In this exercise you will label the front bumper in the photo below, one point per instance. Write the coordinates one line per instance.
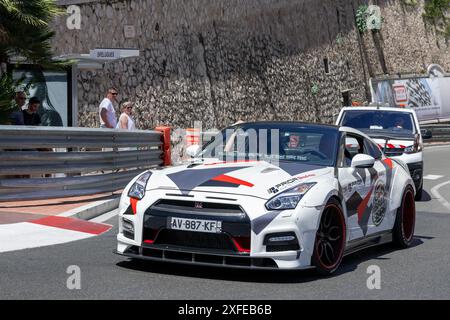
(214, 251)
(185, 256)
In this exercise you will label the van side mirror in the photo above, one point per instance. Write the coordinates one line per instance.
(426, 133)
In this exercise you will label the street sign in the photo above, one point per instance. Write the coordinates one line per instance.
(400, 94)
(106, 54)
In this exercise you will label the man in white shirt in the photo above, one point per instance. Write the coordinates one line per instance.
(106, 110)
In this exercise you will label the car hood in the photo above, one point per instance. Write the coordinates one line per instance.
(252, 178)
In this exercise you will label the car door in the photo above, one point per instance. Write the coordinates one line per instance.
(363, 189)
(381, 175)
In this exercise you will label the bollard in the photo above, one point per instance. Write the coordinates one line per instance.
(165, 138)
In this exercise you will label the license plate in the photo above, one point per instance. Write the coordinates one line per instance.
(196, 225)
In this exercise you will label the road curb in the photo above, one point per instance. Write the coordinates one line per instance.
(93, 210)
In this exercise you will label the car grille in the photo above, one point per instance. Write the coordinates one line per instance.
(193, 207)
(235, 226)
(194, 239)
(392, 152)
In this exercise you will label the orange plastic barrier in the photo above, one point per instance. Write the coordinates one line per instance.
(165, 138)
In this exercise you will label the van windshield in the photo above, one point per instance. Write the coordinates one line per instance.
(374, 122)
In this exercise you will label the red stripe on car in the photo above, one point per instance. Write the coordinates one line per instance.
(225, 178)
(133, 202)
(388, 161)
(242, 244)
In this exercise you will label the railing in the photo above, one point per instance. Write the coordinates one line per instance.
(51, 162)
(440, 132)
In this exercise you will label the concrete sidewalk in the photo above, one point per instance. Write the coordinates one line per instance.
(84, 207)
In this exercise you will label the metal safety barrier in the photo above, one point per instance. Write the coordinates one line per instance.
(52, 162)
(440, 132)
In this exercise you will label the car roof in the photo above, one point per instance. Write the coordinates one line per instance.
(396, 109)
(315, 124)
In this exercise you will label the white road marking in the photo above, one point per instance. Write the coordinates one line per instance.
(106, 216)
(432, 177)
(441, 199)
(25, 235)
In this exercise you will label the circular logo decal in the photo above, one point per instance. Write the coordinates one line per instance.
(379, 203)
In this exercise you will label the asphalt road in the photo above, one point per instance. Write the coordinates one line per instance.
(419, 272)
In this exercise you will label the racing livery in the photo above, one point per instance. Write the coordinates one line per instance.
(280, 195)
(396, 131)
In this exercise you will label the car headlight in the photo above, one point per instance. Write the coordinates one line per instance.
(137, 190)
(290, 198)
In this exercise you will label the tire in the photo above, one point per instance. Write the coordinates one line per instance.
(405, 219)
(418, 195)
(330, 239)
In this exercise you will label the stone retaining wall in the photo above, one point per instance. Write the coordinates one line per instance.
(224, 60)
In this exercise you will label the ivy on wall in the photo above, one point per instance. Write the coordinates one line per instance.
(361, 18)
(437, 14)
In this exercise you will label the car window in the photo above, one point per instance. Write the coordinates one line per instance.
(309, 144)
(372, 149)
(353, 146)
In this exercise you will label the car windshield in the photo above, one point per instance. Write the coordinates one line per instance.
(294, 142)
(381, 122)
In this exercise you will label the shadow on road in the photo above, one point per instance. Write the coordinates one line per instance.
(425, 196)
(349, 264)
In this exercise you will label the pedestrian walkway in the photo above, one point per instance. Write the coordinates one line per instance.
(53, 206)
(37, 223)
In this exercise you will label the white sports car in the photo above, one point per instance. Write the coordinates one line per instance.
(271, 195)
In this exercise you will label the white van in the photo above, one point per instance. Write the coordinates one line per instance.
(395, 130)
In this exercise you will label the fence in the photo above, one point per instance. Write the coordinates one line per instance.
(50, 162)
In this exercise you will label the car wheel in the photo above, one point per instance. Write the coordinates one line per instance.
(405, 220)
(330, 239)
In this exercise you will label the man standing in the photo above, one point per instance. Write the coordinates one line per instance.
(16, 116)
(106, 110)
(30, 115)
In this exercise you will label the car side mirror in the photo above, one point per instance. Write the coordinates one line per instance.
(363, 161)
(426, 134)
(193, 150)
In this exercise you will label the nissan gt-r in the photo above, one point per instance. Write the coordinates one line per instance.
(270, 195)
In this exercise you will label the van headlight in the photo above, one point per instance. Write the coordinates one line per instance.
(137, 190)
(290, 198)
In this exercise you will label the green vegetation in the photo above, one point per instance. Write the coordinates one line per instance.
(437, 14)
(24, 32)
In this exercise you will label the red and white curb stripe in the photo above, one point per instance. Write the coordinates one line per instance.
(47, 231)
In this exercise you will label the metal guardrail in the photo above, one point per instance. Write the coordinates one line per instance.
(52, 162)
(440, 132)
